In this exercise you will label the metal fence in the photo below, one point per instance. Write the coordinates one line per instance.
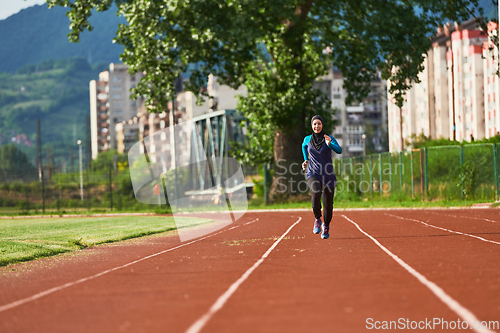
(101, 191)
(435, 173)
(468, 172)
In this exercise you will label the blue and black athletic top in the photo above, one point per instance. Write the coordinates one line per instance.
(320, 161)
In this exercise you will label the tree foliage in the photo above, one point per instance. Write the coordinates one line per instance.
(277, 48)
(422, 141)
(14, 163)
(107, 160)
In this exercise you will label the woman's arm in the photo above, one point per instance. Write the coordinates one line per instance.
(304, 148)
(334, 145)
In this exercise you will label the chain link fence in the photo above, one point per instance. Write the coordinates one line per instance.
(103, 191)
(469, 172)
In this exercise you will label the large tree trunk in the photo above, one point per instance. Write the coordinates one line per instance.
(288, 180)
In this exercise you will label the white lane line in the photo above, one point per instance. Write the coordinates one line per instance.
(456, 307)
(69, 284)
(198, 325)
(452, 231)
(468, 217)
(250, 222)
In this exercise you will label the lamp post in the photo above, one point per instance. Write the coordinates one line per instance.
(79, 142)
(364, 143)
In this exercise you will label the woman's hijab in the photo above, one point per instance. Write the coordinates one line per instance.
(317, 139)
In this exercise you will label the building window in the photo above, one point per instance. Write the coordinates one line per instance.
(116, 87)
(117, 78)
(117, 96)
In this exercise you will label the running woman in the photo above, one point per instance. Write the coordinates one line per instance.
(320, 174)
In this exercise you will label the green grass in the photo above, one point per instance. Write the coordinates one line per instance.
(371, 203)
(28, 239)
(42, 103)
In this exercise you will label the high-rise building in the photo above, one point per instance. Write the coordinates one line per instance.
(449, 100)
(185, 108)
(99, 114)
(465, 59)
(438, 85)
(127, 134)
(491, 85)
(352, 121)
(110, 104)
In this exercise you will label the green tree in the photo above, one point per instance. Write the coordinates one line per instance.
(14, 163)
(369, 145)
(107, 159)
(277, 48)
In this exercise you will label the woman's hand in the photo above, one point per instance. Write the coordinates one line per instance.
(304, 165)
(327, 139)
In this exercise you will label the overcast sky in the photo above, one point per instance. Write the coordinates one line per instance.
(11, 7)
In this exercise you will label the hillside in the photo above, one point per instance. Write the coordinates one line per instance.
(57, 92)
(38, 33)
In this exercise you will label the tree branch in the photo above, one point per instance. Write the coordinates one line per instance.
(301, 12)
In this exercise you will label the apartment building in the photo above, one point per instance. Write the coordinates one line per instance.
(110, 104)
(466, 73)
(117, 121)
(127, 134)
(352, 119)
(491, 85)
(449, 100)
(415, 112)
(99, 114)
(185, 108)
(437, 69)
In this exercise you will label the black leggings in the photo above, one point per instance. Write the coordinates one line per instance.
(317, 190)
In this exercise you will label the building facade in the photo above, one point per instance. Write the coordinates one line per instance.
(465, 71)
(449, 101)
(491, 85)
(185, 108)
(118, 122)
(110, 104)
(127, 134)
(352, 121)
(99, 114)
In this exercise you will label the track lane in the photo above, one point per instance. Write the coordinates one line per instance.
(164, 292)
(446, 229)
(486, 214)
(463, 266)
(465, 220)
(465, 314)
(334, 285)
(222, 300)
(305, 285)
(97, 260)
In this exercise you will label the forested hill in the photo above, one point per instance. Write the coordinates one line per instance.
(38, 33)
(55, 91)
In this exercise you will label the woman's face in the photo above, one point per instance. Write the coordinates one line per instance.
(317, 126)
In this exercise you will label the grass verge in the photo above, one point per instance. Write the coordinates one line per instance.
(258, 203)
(28, 239)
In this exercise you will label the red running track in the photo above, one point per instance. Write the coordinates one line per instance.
(387, 265)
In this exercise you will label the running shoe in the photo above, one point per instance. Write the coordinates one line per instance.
(317, 226)
(326, 232)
